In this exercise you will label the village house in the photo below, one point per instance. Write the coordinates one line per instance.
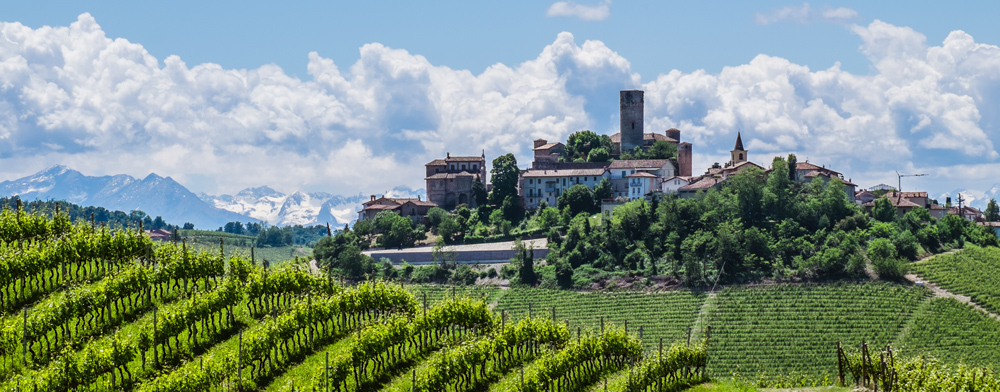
(627, 176)
(408, 207)
(537, 185)
(449, 181)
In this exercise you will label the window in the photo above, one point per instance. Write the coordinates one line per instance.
(564, 183)
(475, 167)
(453, 166)
(463, 166)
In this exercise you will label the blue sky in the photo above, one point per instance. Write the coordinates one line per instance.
(186, 89)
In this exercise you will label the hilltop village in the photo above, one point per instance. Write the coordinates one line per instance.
(635, 163)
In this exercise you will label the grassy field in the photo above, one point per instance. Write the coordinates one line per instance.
(971, 272)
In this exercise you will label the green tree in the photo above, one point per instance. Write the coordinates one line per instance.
(435, 215)
(449, 229)
(992, 211)
(580, 144)
(602, 191)
(524, 263)
(504, 174)
(599, 154)
(663, 149)
(748, 186)
(792, 163)
(579, 198)
(479, 195)
(883, 211)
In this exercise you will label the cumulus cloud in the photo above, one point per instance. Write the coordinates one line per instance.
(806, 14)
(71, 95)
(585, 12)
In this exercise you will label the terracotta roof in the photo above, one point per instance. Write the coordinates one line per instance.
(441, 176)
(547, 146)
(563, 173)
(968, 210)
(937, 207)
(464, 159)
(655, 137)
(703, 183)
(898, 202)
(684, 178)
(437, 162)
(804, 166)
(908, 195)
(642, 174)
(639, 163)
(419, 202)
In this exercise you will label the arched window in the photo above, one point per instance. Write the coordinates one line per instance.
(741, 156)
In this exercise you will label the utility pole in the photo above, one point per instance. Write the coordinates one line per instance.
(899, 179)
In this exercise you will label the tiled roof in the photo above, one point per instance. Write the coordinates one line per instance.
(642, 174)
(908, 195)
(437, 162)
(683, 178)
(464, 159)
(617, 138)
(562, 173)
(639, 163)
(703, 183)
(547, 146)
(898, 202)
(442, 176)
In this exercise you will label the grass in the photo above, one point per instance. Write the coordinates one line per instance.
(971, 272)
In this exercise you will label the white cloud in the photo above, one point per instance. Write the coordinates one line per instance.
(70, 95)
(806, 14)
(585, 12)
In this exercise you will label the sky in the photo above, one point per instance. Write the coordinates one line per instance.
(356, 97)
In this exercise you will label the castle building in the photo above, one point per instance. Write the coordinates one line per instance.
(631, 132)
(449, 181)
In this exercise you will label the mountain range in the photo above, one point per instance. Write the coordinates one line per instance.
(162, 196)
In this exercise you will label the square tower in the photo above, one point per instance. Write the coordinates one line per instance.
(631, 119)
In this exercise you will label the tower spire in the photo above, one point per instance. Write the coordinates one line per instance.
(739, 142)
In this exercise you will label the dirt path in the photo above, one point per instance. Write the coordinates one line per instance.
(941, 292)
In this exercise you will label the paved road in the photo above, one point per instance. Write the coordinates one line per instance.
(494, 252)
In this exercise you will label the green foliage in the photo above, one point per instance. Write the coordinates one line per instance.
(504, 174)
(885, 259)
(953, 332)
(587, 146)
(793, 330)
(970, 272)
(992, 212)
(479, 194)
(579, 198)
(883, 211)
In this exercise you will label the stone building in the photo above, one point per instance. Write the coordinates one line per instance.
(449, 181)
(631, 132)
(408, 207)
(536, 185)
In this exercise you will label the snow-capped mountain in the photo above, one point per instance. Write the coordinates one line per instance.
(162, 196)
(974, 198)
(154, 195)
(298, 208)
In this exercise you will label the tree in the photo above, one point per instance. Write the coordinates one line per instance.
(580, 144)
(602, 191)
(748, 185)
(599, 154)
(579, 198)
(792, 163)
(449, 228)
(188, 226)
(663, 149)
(479, 195)
(435, 215)
(504, 174)
(883, 211)
(524, 262)
(992, 211)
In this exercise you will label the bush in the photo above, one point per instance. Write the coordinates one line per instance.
(906, 244)
(884, 259)
(464, 275)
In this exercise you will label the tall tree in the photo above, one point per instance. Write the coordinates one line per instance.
(579, 144)
(479, 194)
(883, 211)
(992, 211)
(792, 162)
(504, 174)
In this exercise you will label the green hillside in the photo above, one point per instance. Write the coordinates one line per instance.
(86, 308)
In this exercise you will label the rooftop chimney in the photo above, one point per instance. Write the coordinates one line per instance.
(540, 142)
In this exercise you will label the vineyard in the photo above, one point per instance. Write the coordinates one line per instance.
(972, 272)
(84, 307)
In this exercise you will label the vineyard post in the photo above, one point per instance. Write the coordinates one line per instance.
(24, 332)
(452, 292)
(579, 331)
(17, 211)
(114, 349)
(689, 336)
(529, 309)
(425, 306)
(864, 362)
(640, 332)
(553, 315)
(522, 377)
(253, 260)
(93, 223)
(326, 370)
(626, 326)
(156, 357)
(239, 365)
(602, 325)
(840, 364)
(503, 319)
(413, 382)
(661, 347)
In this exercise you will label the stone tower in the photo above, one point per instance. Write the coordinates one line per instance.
(631, 119)
(739, 154)
(684, 159)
